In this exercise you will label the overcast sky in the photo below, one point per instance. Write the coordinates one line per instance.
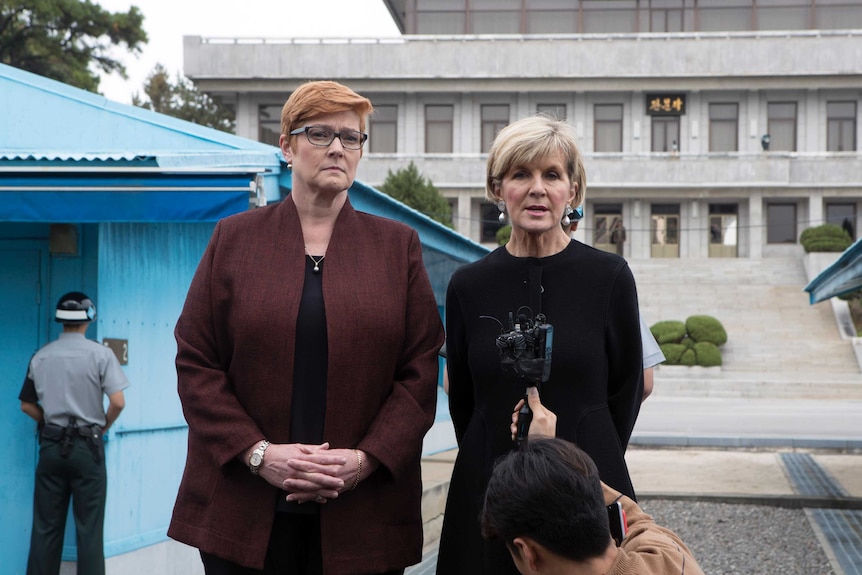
(167, 21)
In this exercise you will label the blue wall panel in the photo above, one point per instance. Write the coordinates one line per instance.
(145, 271)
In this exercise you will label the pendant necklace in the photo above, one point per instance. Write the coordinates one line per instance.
(316, 263)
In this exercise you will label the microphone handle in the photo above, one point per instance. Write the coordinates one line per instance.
(525, 417)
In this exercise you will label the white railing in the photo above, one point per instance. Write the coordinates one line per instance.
(461, 38)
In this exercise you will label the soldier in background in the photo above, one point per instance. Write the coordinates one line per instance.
(63, 392)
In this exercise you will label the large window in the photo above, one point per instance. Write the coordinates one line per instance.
(840, 14)
(783, 14)
(490, 222)
(781, 126)
(608, 127)
(722, 15)
(269, 124)
(551, 16)
(723, 230)
(664, 231)
(841, 126)
(723, 127)
(781, 223)
(441, 16)
(495, 117)
(556, 111)
(665, 133)
(438, 129)
(625, 16)
(609, 16)
(383, 130)
(843, 215)
(667, 15)
(495, 16)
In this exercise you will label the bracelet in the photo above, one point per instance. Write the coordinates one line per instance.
(358, 469)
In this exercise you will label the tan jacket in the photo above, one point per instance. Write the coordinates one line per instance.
(649, 549)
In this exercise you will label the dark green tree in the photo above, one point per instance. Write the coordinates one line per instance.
(181, 99)
(68, 40)
(410, 187)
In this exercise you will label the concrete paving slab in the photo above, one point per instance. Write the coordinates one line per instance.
(845, 468)
(690, 471)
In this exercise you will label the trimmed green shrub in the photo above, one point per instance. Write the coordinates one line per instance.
(708, 354)
(668, 332)
(672, 352)
(825, 238)
(694, 342)
(503, 235)
(688, 357)
(705, 328)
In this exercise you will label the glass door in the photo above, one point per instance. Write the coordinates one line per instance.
(722, 236)
(664, 234)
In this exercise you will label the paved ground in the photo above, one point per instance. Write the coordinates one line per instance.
(827, 483)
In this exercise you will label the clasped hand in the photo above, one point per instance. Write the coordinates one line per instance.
(310, 472)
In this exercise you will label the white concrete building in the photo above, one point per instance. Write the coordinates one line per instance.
(672, 100)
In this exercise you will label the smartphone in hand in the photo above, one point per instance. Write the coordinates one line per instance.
(617, 522)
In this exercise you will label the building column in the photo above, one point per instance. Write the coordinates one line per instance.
(246, 117)
(414, 124)
(639, 123)
(462, 216)
(815, 211)
(756, 225)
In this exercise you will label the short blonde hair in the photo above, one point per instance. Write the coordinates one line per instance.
(322, 97)
(522, 142)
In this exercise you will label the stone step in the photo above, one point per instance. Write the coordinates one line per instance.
(680, 381)
(760, 303)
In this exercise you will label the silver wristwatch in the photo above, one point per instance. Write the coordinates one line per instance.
(256, 458)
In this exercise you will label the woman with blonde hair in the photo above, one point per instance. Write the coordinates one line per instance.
(535, 174)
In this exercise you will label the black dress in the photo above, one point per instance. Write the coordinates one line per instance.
(595, 385)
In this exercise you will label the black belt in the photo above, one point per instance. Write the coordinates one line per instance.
(65, 436)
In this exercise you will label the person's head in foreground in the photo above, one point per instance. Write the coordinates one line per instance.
(545, 501)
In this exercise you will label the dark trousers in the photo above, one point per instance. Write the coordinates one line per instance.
(80, 476)
(294, 549)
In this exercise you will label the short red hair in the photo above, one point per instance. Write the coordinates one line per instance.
(322, 97)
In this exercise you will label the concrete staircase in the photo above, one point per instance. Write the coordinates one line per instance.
(777, 342)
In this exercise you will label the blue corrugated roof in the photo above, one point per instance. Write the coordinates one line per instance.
(843, 276)
(47, 125)
(80, 120)
(69, 156)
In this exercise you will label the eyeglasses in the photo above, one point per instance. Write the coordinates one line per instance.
(324, 136)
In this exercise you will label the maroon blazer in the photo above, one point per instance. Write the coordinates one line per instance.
(235, 354)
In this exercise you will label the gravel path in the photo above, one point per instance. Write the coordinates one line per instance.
(730, 539)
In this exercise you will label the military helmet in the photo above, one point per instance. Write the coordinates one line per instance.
(75, 307)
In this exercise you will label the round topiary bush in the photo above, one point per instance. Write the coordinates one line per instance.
(825, 238)
(706, 328)
(708, 354)
(672, 352)
(668, 332)
(688, 357)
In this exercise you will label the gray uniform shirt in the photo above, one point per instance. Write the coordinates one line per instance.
(69, 377)
(652, 352)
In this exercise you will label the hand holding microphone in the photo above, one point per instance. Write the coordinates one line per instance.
(542, 422)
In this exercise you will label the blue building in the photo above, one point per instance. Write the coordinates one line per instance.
(119, 202)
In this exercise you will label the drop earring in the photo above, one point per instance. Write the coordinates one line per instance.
(501, 205)
(567, 221)
(290, 165)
